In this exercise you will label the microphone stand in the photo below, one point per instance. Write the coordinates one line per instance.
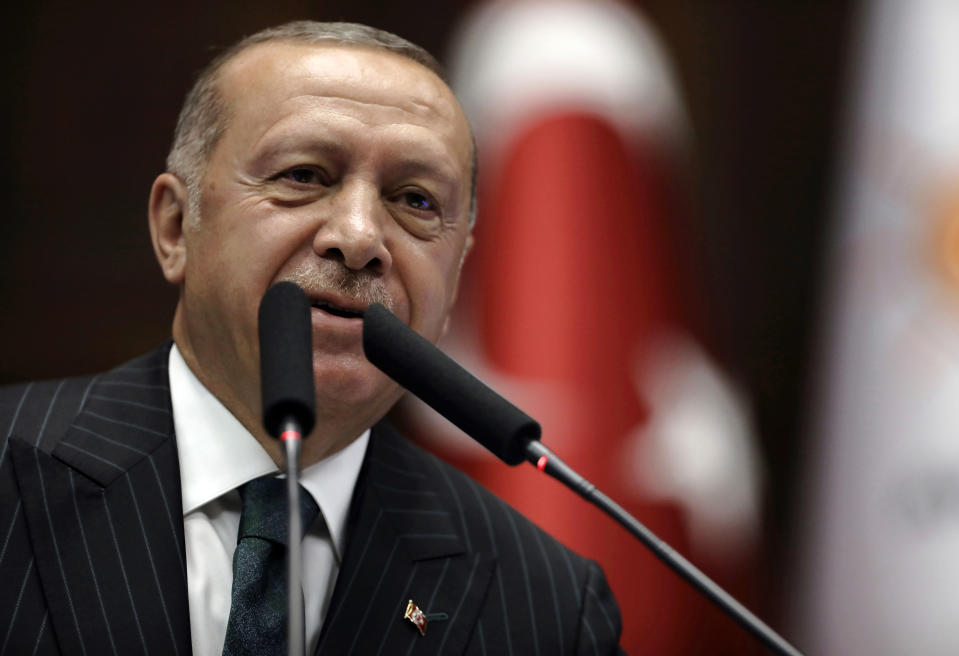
(292, 438)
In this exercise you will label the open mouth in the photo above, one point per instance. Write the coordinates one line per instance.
(337, 311)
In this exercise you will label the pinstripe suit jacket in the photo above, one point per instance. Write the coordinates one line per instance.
(92, 555)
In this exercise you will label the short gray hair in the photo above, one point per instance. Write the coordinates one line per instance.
(203, 118)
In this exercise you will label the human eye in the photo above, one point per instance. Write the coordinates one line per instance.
(304, 176)
(419, 201)
(418, 211)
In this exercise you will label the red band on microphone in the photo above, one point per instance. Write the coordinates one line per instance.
(541, 463)
(290, 435)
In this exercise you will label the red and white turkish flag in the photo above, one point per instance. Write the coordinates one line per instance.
(570, 307)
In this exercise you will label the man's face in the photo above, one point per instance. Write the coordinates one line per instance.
(346, 170)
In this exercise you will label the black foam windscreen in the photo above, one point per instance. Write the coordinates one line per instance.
(416, 364)
(286, 358)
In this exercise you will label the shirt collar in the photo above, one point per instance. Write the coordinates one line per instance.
(331, 482)
(217, 454)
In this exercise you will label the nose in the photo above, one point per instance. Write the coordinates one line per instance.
(353, 232)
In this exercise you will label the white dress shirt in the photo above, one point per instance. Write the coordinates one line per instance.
(217, 455)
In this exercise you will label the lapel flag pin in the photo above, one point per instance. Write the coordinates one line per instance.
(416, 616)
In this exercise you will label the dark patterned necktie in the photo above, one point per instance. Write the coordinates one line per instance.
(258, 608)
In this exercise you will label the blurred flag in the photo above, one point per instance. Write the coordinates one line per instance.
(879, 572)
(570, 303)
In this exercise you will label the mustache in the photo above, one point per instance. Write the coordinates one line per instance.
(326, 275)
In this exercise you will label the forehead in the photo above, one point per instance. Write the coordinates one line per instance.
(276, 77)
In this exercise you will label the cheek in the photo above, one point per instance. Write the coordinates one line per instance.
(431, 281)
(249, 248)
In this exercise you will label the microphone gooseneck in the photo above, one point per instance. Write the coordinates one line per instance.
(420, 367)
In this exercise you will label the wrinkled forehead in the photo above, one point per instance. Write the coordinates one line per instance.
(267, 74)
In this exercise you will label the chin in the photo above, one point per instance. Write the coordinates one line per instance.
(356, 386)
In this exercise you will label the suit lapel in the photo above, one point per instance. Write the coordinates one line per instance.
(107, 524)
(403, 545)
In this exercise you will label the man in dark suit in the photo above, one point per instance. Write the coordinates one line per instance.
(334, 156)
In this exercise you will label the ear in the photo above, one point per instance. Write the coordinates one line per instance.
(169, 204)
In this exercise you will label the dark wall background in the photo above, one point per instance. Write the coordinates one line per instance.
(91, 96)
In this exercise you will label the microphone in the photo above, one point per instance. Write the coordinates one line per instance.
(416, 364)
(289, 413)
(419, 366)
(286, 359)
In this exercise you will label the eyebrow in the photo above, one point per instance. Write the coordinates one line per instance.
(294, 145)
(428, 167)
